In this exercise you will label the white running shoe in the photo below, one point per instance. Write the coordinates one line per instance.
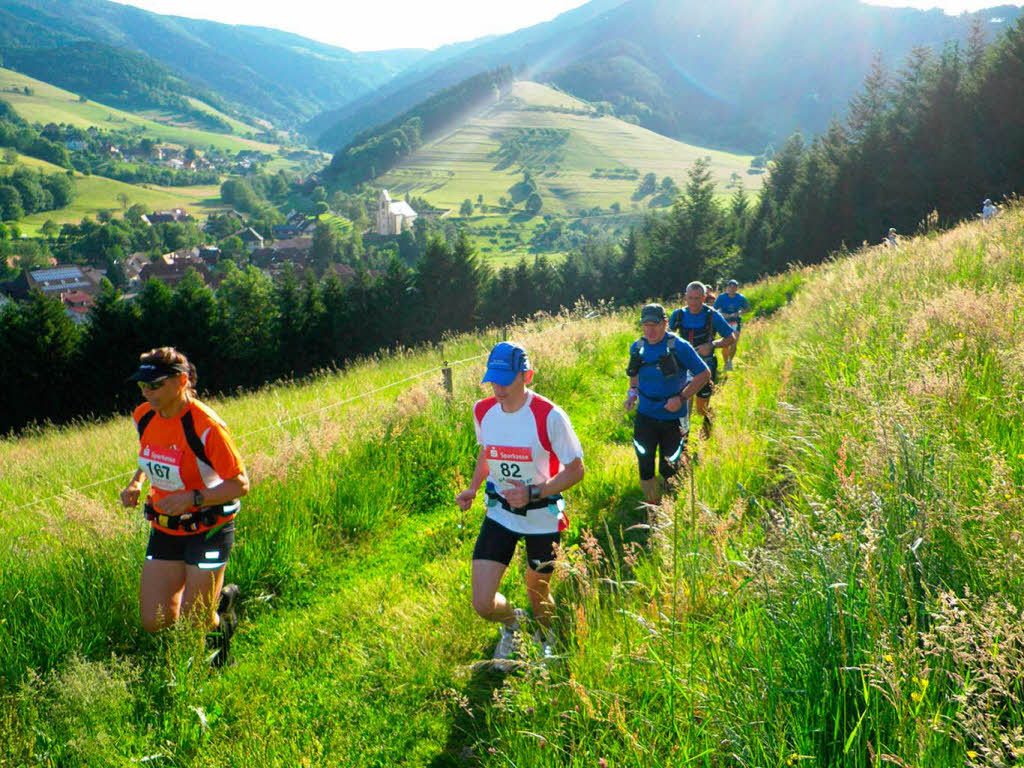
(545, 639)
(728, 365)
(508, 643)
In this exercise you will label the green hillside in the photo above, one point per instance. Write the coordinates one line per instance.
(46, 103)
(142, 58)
(840, 581)
(576, 175)
(96, 193)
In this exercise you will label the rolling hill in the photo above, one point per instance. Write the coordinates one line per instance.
(40, 103)
(734, 74)
(260, 72)
(579, 159)
(46, 103)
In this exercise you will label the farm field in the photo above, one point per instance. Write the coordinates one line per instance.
(599, 163)
(836, 576)
(463, 164)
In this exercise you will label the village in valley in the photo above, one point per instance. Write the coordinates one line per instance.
(289, 248)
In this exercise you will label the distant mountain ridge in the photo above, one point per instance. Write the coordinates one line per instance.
(276, 75)
(738, 73)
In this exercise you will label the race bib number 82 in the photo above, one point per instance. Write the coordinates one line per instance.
(510, 463)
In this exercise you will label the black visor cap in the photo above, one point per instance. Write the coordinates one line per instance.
(153, 371)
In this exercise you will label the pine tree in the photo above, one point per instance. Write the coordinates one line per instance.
(109, 351)
(42, 386)
(246, 299)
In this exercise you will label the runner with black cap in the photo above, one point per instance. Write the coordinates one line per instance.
(528, 455)
(659, 362)
(196, 477)
(732, 304)
(698, 324)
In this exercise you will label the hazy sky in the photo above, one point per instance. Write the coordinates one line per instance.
(366, 26)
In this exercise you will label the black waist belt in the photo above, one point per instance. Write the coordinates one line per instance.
(192, 521)
(656, 399)
(539, 504)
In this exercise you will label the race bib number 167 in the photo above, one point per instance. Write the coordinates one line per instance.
(163, 466)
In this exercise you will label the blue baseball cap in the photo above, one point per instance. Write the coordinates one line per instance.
(506, 361)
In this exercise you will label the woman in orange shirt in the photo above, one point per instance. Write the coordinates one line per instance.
(196, 478)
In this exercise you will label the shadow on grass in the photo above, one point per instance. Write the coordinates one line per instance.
(470, 720)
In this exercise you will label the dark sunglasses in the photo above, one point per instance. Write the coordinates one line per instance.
(149, 386)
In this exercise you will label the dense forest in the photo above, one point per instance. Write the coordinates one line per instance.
(119, 78)
(920, 148)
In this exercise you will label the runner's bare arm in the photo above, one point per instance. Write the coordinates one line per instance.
(227, 490)
(131, 492)
(480, 472)
(725, 342)
(570, 475)
(696, 384)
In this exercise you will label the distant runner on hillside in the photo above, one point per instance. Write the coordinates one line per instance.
(659, 362)
(528, 455)
(989, 210)
(698, 323)
(196, 477)
(732, 305)
(892, 238)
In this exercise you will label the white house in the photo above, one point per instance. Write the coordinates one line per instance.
(393, 217)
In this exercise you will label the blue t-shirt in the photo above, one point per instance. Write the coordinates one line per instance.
(731, 305)
(683, 320)
(655, 388)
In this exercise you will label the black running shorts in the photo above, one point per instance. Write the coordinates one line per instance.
(498, 543)
(208, 550)
(660, 439)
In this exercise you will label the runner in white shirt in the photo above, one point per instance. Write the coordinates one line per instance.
(528, 455)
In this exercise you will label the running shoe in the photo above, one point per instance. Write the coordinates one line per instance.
(728, 365)
(545, 640)
(508, 643)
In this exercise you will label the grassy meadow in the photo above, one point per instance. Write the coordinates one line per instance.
(98, 193)
(49, 104)
(837, 582)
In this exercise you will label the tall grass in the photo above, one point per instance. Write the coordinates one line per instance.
(843, 587)
(836, 582)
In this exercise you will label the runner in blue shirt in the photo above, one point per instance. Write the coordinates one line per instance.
(732, 305)
(698, 324)
(658, 366)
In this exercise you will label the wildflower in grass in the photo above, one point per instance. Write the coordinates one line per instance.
(591, 547)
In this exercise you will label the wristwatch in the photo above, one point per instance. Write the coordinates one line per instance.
(197, 498)
(534, 493)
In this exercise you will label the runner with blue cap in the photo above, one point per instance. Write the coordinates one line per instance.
(528, 455)
(732, 304)
(659, 363)
(698, 323)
